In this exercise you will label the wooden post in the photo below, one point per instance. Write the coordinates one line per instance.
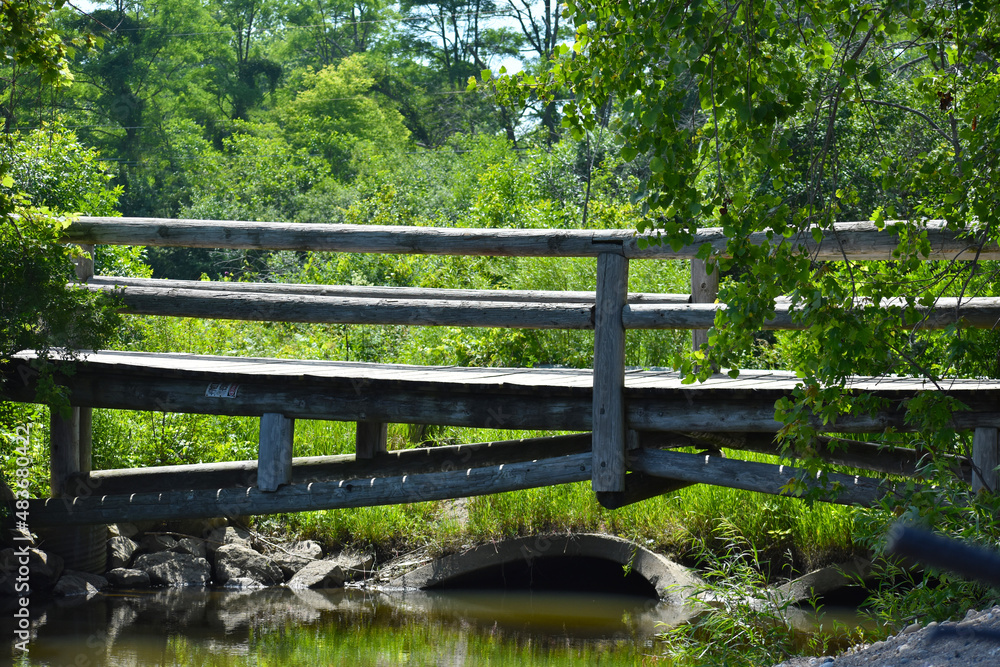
(985, 459)
(608, 465)
(370, 439)
(64, 449)
(274, 456)
(704, 289)
(84, 268)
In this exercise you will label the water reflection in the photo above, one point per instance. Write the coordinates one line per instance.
(352, 626)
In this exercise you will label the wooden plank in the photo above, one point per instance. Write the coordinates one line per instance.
(853, 240)
(64, 449)
(253, 306)
(985, 459)
(975, 312)
(345, 238)
(608, 421)
(274, 456)
(704, 289)
(370, 439)
(872, 456)
(752, 476)
(439, 458)
(376, 292)
(193, 504)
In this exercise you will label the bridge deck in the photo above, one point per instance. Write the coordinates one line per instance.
(511, 398)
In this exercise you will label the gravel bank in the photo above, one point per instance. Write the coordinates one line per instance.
(972, 642)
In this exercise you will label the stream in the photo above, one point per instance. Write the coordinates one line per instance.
(279, 626)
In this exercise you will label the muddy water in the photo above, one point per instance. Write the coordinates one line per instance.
(345, 627)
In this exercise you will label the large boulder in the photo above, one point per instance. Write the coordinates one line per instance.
(318, 574)
(166, 568)
(293, 557)
(235, 561)
(128, 578)
(155, 543)
(191, 545)
(120, 552)
(44, 570)
(227, 535)
(73, 583)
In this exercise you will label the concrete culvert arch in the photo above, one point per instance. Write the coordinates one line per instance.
(584, 562)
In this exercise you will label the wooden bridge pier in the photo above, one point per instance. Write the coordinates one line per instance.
(628, 422)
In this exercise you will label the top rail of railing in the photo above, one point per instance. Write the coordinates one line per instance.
(847, 240)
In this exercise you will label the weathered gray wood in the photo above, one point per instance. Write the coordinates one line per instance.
(977, 312)
(639, 487)
(310, 497)
(751, 475)
(985, 459)
(704, 289)
(608, 422)
(83, 265)
(306, 469)
(86, 430)
(546, 399)
(376, 292)
(838, 451)
(274, 456)
(64, 449)
(370, 439)
(855, 240)
(212, 304)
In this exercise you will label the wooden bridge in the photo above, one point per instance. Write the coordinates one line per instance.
(629, 419)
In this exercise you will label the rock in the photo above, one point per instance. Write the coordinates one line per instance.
(191, 545)
(296, 556)
(124, 529)
(166, 568)
(126, 578)
(243, 584)
(120, 551)
(233, 561)
(318, 574)
(44, 569)
(156, 543)
(227, 535)
(73, 583)
(355, 566)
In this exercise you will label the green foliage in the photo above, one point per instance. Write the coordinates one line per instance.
(741, 627)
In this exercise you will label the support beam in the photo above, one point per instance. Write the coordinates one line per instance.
(370, 439)
(195, 504)
(752, 476)
(609, 374)
(64, 449)
(274, 458)
(704, 289)
(307, 469)
(985, 459)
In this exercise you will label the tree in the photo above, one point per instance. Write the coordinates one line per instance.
(37, 308)
(781, 117)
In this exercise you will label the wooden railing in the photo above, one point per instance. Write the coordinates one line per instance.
(610, 310)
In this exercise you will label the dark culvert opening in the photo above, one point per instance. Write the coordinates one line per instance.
(578, 574)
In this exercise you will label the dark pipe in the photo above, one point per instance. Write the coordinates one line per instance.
(977, 563)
